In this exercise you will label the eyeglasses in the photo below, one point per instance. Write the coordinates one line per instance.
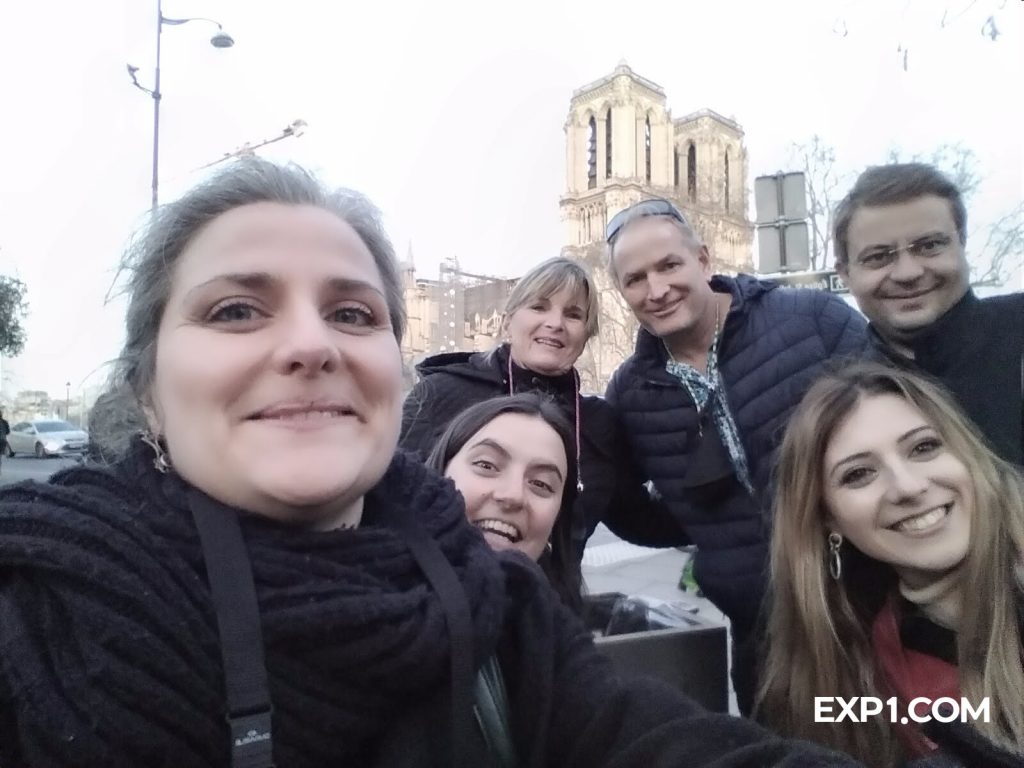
(656, 207)
(922, 248)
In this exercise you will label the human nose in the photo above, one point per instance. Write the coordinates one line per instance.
(906, 268)
(509, 492)
(906, 482)
(657, 288)
(307, 345)
(553, 319)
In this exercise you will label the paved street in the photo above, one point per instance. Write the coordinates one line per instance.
(26, 468)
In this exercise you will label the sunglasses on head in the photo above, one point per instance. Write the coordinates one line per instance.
(656, 207)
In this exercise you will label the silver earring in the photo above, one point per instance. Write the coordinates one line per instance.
(835, 560)
(160, 460)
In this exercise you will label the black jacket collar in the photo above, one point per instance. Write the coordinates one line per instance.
(493, 367)
(940, 342)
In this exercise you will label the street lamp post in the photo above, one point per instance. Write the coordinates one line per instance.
(221, 39)
(67, 401)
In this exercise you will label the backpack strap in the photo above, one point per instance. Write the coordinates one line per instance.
(491, 710)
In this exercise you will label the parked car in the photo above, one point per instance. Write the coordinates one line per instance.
(47, 437)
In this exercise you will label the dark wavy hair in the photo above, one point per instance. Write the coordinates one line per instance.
(560, 563)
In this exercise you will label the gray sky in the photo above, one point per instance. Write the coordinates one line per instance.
(448, 114)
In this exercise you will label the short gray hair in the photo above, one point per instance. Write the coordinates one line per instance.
(551, 276)
(152, 257)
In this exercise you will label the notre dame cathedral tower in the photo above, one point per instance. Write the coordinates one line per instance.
(622, 146)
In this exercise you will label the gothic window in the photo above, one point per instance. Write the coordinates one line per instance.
(608, 144)
(727, 181)
(675, 168)
(647, 147)
(592, 154)
(691, 172)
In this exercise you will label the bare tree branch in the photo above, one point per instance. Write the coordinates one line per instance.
(817, 160)
(1003, 251)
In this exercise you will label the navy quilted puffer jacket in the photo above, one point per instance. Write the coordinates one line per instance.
(775, 341)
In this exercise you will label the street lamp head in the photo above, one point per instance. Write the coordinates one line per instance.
(296, 129)
(222, 40)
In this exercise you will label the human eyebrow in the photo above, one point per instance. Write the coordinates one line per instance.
(255, 281)
(350, 285)
(487, 442)
(849, 459)
(876, 248)
(545, 467)
(912, 432)
(263, 281)
(630, 276)
(937, 234)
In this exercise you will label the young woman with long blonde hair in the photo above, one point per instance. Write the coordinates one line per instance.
(896, 571)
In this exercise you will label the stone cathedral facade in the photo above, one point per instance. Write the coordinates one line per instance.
(623, 145)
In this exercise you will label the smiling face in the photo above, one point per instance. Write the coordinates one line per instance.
(896, 492)
(906, 292)
(663, 275)
(278, 378)
(548, 334)
(511, 473)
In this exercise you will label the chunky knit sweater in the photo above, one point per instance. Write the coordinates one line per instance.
(109, 651)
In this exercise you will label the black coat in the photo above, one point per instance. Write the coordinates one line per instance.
(613, 488)
(774, 342)
(977, 351)
(109, 653)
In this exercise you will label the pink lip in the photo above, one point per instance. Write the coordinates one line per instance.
(947, 506)
(551, 341)
(292, 409)
(664, 311)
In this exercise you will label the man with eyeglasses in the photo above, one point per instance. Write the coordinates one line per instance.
(900, 237)
(719, 364)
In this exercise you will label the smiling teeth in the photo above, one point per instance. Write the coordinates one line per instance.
(501, 528)
(921, 522)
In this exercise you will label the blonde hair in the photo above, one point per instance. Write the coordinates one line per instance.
(818, 640)
(547, 279)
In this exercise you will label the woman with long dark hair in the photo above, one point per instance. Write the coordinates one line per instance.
(509, 457)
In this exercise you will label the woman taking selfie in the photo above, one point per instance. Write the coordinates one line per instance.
(509, 458)
(259, 579)
(897, 573)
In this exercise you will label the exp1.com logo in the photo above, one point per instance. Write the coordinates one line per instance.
(857, 709)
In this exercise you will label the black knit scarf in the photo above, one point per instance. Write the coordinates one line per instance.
(108, 642)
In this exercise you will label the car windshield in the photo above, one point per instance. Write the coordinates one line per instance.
(55, 426)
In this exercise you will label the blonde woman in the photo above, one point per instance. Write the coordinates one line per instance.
(896, 572)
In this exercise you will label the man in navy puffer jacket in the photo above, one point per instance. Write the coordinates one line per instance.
(719, 365)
